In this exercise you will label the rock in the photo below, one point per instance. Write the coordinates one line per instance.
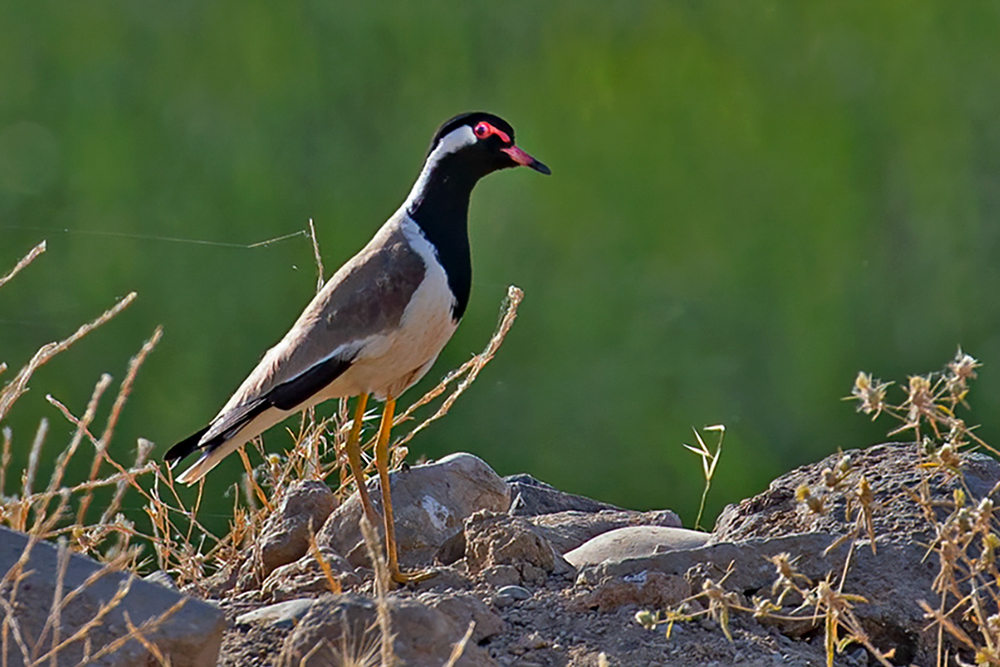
(453, 549)
(891, 580)
(531, 497)
(498, 539)
(430, 504)
(903, 569)
(285, 537)
(220, 584)
(651, 590)
(531, 641)
(281, 614)
(499, 576)
(891, 469)
(162, 578)
(502, 601)
(750, 568)
(422, 636)
(305, 577)
(190, 637)
(465, 607)
(515, 592)
(899, 572)
(634, 542)
(445, 579)
(568, 530)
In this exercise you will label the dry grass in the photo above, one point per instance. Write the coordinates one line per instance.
(967, 588)
(49, 514)
(174, 540)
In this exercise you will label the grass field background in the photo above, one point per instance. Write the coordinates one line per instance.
(749, 203)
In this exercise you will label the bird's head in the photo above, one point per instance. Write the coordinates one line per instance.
(477, 144)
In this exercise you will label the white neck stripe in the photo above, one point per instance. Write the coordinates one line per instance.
(452, 142)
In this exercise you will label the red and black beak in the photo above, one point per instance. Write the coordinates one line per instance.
(522, 158)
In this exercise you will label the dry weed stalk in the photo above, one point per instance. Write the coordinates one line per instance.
(966, 530)
(383, 583)
(819, 602)
(182, 546)
(33, 511)
(23, 262)
(708, 463)
(318, 444)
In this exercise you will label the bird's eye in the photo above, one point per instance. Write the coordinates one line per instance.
(482, 130)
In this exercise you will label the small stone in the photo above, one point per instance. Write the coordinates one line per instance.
(515, 592)
(503, 601)
(529, 642)
(651, 589)
(499, 576)
(280, 615)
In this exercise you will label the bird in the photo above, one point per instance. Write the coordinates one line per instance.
(379, 323)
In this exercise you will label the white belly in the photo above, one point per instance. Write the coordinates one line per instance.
(388, 364)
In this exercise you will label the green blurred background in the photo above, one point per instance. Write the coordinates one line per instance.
(750, 202)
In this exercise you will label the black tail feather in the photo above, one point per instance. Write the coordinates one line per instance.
(185, 447)
(285, 396)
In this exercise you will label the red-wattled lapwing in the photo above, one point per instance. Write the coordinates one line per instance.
(380, 322)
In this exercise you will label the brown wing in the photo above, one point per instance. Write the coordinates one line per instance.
(366, 297)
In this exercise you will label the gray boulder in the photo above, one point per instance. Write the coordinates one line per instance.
(430, 504)
(336, 624)
(569, 529)
(285, 536)
(189, 636)
(532, 497)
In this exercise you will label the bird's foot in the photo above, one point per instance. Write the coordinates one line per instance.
(414, 577)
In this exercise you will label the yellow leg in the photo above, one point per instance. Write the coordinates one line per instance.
(382, 463)
(354, 459)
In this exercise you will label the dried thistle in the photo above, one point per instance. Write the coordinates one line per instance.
(871, 394)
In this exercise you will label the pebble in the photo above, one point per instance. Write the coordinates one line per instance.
(280, 615)
(515, 592)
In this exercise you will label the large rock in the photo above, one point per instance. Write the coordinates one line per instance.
(904, 566)
(500, 540)
(307, 577)
(532, 497)
(634, 542)
(893, 471)
(465, 607)
(900, 571)
(189, 637)
(285, 536)
(422, 636)
(430, 503)
(569, 529)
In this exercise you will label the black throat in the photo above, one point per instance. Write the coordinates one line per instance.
(442, 212)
